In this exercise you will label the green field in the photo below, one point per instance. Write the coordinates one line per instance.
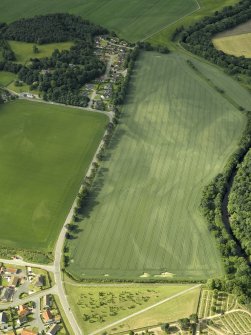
(207, 7)
(237, 45)
(176, 134)
(20, 89)
(6, 78)
(24, 51)
(99, 306)
(133, 19)
(45, 151)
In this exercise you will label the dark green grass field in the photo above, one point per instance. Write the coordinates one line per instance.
(6, 78)
(24, 51)
(176, 134)
(132, 19)
(45, 151)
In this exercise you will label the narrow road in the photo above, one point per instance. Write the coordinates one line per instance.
(58, 275)
(59, 252)
(109, 114)
(32, 297)
(20, 262)
(144, 310)
(91, 99)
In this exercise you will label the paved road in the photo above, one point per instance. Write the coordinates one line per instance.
(109, 114)
(58, 276)
(40, 294)
(59, 252)
(20, 262)
(37, 318)
(144, 310)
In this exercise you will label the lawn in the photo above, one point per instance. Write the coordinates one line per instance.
(173, 310)
(132, 20)
(24, 51)
(45, 151)
(176, 134)
(98, 306)
(237, 45)
(6, 78)
(20, 89)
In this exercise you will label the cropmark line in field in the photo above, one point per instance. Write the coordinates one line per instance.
(172, 23)
(145, 309)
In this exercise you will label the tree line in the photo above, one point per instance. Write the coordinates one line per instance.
(239, 205)
(237, 267)
(122, 88)
(198, 37)
(60, 76)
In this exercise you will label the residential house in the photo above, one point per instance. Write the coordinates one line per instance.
(7, 294)
(57, 318)
(53, 329)
(23, 310)
(46, 301)
(14, 281)
(28, 332)
(40, 281)
(11, 271)
(47, 316)
(21, 320)
(3, 320)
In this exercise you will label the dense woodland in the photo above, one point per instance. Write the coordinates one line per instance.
(239, 206)
(60, 76)
(198, 38)
(235, 260)
(50, 28)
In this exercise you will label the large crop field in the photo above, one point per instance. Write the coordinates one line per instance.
(132, 19)
(45, 151)
(24, 51)
(176, 134)
(237, 45)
